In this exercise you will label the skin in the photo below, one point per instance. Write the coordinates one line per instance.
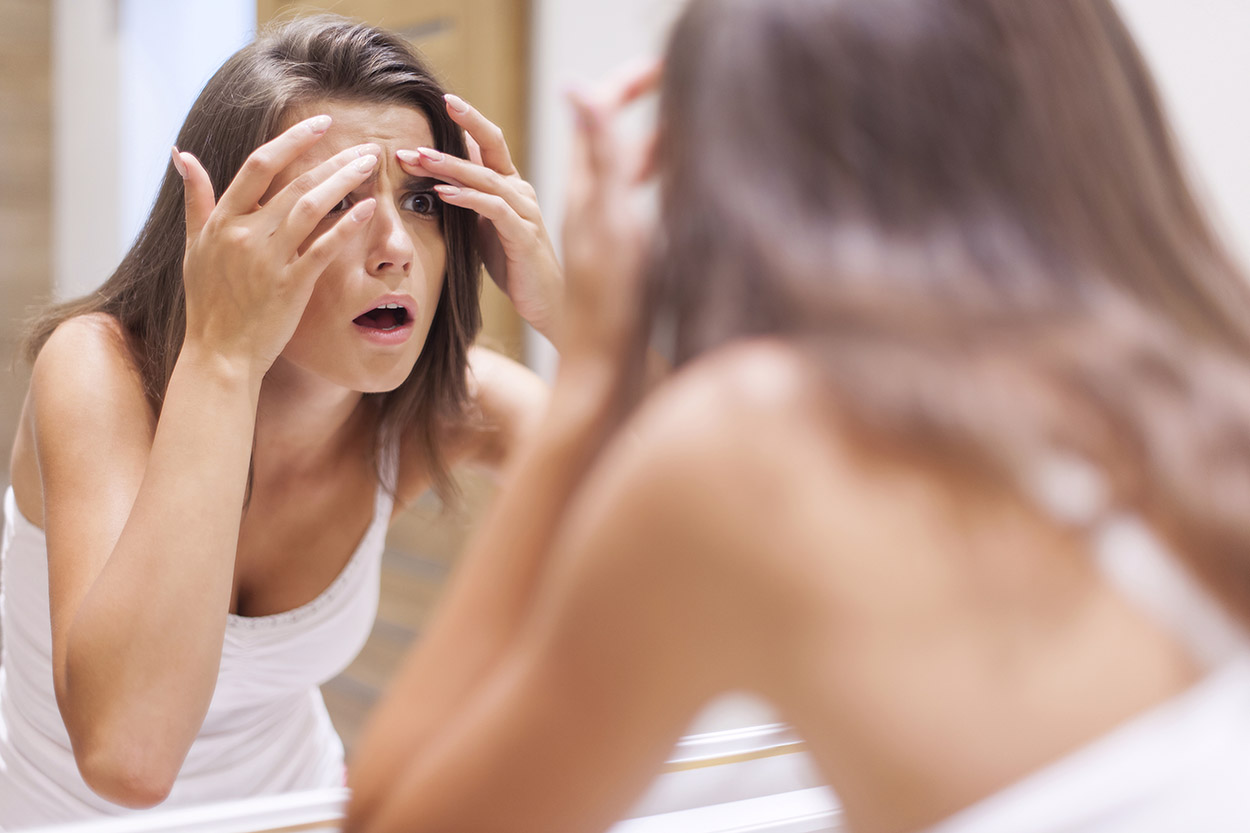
(678, 556)
(146, 562)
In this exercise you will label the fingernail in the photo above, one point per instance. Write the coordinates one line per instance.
(319, 124)
(179, 165)
(365, 163)
(456, 103)
(408, 157)
(447, 190)
(431, 154)
(363, 210)
(361, 150)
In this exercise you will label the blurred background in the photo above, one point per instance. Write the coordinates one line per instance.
(92, 93)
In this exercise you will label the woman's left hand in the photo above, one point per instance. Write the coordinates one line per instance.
(512, 238)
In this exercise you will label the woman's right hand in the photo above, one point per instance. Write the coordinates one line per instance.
(249, 269)
(606, 232)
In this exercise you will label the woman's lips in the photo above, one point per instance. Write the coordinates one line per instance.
(394, 335)
(388, 321)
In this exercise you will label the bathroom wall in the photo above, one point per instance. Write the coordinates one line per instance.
(25, 191)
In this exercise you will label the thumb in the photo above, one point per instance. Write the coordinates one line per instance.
(197, 191)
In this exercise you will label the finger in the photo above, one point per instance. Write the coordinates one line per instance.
(490, 139)
(510, 226)
(264, 163)
(197, 191)
(630, 83)
(310, 209)
(281, 203)
(581, 172)
(594, 138)
(457, 171)
(316, 257)
(648, 158)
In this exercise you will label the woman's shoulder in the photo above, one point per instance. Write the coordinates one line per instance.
(94, 341)
(691, 506)
(725, 403)
(506, 402)
(85, 386)
(88, 360)
(717, 443)
(747, 447)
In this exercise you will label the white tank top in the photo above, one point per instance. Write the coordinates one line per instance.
(266, 730)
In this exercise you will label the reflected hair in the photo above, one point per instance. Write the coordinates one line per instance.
(245, 104)
(971, 216)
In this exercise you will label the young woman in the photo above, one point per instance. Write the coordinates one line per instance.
(954, 468)
(215, 441)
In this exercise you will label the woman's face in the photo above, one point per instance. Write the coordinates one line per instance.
(370, 312)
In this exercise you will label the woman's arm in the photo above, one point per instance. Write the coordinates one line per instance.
(140, 550)
(655, 599)
(142, 515)
(493, 589)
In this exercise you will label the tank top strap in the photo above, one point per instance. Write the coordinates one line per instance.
(1137, 562)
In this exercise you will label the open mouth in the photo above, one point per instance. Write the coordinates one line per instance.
(383, 317)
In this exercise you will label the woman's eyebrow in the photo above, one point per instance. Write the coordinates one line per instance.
(419, 183)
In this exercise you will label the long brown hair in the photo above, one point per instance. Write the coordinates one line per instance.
(971, 215)
(242, 107)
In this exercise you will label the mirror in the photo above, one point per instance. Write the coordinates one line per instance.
(483, 50)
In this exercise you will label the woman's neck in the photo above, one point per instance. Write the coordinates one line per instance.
(304, 424)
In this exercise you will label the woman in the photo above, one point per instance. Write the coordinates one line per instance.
(215, 441)
(953, 468)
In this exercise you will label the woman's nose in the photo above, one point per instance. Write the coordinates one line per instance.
(392, 250)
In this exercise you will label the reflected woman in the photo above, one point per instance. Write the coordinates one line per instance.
(216, 440)
(954, 468)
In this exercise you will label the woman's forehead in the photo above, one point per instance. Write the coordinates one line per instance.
(392, 125)
(389, 125)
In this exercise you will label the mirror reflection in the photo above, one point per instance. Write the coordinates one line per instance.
(342, 357)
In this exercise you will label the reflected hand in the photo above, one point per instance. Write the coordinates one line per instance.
(607, 234)
(512, 238)
(249, 269)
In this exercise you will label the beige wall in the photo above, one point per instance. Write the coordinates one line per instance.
(25, 189)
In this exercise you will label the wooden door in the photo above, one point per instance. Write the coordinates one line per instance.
(25, 194)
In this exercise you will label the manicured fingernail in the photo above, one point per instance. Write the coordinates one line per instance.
(361, 150)
(456, 103)
(408, 157)
(447, 190)
(318, 124)
(363, 210)
(431, 154)
(179, 165)
(365, 163)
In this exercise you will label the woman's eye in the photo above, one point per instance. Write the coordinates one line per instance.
(342, 205)
(422, 202)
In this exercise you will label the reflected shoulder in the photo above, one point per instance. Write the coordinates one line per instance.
(508, 399)
(85, 365)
